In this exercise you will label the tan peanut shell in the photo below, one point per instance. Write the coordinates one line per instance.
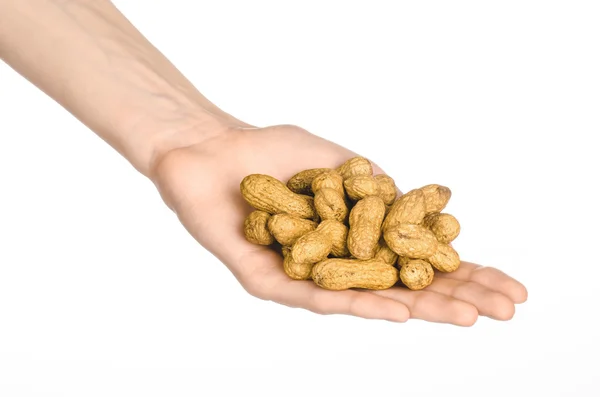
(338, 232)
(286, 229)
(360, 186)
(255, 228)
(268, 194)
(407, 209)
(445, 227)
(387, 188)
(436, 197)
(445, 259)
(416, 274)
(340, 274)
(402, 260)
(312, 247)
(330, 179)
(413, 241)
(301, 183)
(365, 227)
(385, 254)
(330, 205)
(295, 270)
(355, 166)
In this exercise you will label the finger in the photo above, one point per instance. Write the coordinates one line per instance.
(487, 302)
(491, 278)
(432, 306)
(309, 296)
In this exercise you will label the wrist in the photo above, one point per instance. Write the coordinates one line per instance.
(149, 137)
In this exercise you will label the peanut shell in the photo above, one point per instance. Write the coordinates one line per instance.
(255, 228)
(355, 166)
(407, 209)
(387, 188)
(360, 186)
(385, 254)
(341, 274)
(338, 232)
(295, 270)
(301, 183)
(445, 227)
(402, 260)
(268, 194)
(328, 179)
(436, 197)
(416, 274)
(445, 259)
(286, 228)
(330, 205)
(312, 247)
(365, 227)
(413, 241)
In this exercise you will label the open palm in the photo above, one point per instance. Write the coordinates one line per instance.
(201, 184)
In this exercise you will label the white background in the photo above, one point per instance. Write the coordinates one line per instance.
(102, 292)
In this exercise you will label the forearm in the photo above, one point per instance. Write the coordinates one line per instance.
(88, 57)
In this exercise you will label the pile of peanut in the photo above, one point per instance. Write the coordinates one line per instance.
(345, 228)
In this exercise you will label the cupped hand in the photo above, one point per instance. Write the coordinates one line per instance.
(201, 184)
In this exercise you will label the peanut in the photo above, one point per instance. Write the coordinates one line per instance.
(365, 227)
(360, 186)
(436, 197)
(340, 274)
(445, 227)
(402, 260)
(445, 259)
(312, 247)
(295, 270)
(385, 254)
(255, 228)
(287, 228)
(387, 188)
(265, 193)
(416, 274)
(347, 228)
(330, 205)
(301, 182)
(328, 179)
(407, 209)
(338, 232)
(355, 166)
(413, 241)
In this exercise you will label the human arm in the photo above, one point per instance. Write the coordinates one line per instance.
(89, 58)
(93, 62)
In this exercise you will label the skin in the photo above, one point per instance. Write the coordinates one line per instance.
(150, 113)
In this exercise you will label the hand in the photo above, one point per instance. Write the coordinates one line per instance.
(201, 184)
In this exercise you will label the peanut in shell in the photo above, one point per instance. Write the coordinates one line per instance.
(387, 188)
(328, 179)
(407, 209)
(436, 197)
(286, 228)
(416, 274)
(255, 228)
(295, 270)
(445, 259)
(301, 183)
(338, 232)
(330, 205)
(265, 193)
(365, 227)
(412, 241)
(445, 227)
(341, 274)
(355, 166)
(360, 186)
